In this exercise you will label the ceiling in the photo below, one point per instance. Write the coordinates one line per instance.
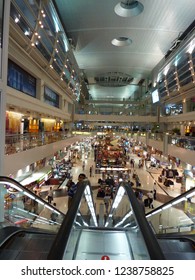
(91, 25)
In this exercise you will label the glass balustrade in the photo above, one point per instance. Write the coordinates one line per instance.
(85, 217)
(178, 215)
(122, 216)
(25, 209)
(20, 142)
(115, 233)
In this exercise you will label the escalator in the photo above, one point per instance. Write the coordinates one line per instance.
(27, 245)
(143, 237)
(123, 234)
(177, 247)
(88, 233)
(173, 223)
(93, 244)
(116, 244)
(26, 233)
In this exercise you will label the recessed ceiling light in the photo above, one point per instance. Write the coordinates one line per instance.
(129, 8)
(121, 41)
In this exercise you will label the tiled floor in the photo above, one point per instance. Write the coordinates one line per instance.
(147, 179)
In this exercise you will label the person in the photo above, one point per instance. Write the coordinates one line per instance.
(101, 192)
(35, 204)
(50, 195)
(150, 199)
(72, 190)
(91, 170)
(54, 215)
(132, 163)
(83, 165)
(107, 201)
(131, 184)
(139, 196)
(154, 190)
(137, 182)
(27, 203)
(70, 183)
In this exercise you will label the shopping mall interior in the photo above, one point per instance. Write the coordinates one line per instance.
(105, 89)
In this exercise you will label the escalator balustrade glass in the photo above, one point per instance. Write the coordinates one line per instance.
(178, 215)
(85, 218)
(25, 209)
(88, 240)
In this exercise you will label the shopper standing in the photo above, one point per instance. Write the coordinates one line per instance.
(73, 188)
(107, 201)
(50, 195)
(150, 199)
(91, 171)
(154, 190)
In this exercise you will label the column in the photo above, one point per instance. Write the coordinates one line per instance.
(40, 90)
(4, 18)
(184, 106)
(165, 144)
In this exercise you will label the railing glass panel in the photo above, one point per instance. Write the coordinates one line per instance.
(178, 215)
(121, 216)
(84, 218)
(25, 209)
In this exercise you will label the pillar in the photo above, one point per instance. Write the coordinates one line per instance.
(4, 18)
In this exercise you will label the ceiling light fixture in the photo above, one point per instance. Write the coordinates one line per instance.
(129, 8)
(121, 41)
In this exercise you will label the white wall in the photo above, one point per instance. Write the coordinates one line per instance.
(20, 160)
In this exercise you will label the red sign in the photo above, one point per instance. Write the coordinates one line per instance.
(105, 258)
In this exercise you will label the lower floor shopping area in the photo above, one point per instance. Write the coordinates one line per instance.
(113, 166)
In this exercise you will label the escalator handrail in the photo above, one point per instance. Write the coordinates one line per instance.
(9, 232)
(7, 180)
(61, 241)
(150, 239)
(189, 238)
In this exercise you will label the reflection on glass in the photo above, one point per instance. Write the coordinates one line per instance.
(85, 218)
(25, 209)
(174, 217)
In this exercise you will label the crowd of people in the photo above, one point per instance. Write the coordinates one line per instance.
(108, 186)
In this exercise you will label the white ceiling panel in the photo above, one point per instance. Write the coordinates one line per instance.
(93, 24)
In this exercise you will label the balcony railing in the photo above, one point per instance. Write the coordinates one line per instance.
(15, 143)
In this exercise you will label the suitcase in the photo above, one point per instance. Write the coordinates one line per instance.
(146, 202)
